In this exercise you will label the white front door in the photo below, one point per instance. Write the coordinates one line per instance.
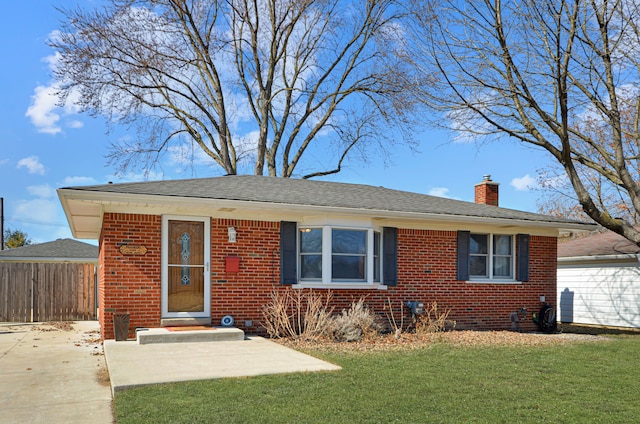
(186, 252)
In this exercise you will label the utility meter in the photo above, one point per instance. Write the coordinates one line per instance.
(416, 308)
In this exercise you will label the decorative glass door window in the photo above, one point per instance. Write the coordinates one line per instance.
(186, 259)
(186, 266)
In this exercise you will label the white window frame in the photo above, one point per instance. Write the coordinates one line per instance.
(327, 281)
(165, 271)
(490, 260)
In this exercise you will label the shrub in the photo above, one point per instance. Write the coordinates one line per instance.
(297, 314)
(355, 323)
(434, 320)
(306, 315)
(394, 326)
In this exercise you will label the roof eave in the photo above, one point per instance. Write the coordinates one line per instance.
(592, 258)
(107, 201)
(66, 196)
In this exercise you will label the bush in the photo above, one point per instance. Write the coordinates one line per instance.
(306, 315)
(297, 314)
(434, 320)
(354, 324)
(392, 324)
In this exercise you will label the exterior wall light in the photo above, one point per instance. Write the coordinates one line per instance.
(232, 234)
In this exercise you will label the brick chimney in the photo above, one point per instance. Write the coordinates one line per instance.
(486, 192)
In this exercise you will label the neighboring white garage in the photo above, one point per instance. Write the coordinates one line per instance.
(599, 281)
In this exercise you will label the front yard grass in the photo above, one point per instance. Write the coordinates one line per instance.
(439, 383)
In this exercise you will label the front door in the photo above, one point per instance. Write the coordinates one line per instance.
(186, 291)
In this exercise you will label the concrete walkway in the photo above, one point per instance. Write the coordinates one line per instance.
(58, 373)
(53, 374)
(131, 364)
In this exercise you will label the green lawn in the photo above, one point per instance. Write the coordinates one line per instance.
(581, 382)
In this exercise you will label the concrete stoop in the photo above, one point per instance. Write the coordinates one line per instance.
(164, 335)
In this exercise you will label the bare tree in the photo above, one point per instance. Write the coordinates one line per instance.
(239, 79)
(559, 75)
(557, 197)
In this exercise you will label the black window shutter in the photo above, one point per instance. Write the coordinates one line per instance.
(390, 256)
(523, 257)
(288, 252)
(463, 255)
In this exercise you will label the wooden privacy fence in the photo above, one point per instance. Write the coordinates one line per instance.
(38, 292)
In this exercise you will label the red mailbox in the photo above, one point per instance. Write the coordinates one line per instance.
(232, 264)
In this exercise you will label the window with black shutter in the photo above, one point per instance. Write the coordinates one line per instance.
(492, 257)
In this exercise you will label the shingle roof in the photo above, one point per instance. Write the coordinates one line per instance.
(599, 244)
(288, 191)
(58, 249)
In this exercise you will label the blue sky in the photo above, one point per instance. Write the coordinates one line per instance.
(44, 147)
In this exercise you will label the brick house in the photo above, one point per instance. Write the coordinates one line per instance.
(194, 251)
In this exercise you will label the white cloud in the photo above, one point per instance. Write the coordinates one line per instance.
(33, 165)
(37, 210)
(4, 161)
(55, 35)
(42, 110)
(440, 192)
(45, 110)
(44, 191)
(75, 124)
(72, 104)
(41, 216)
(76, 181)
(247, 143)
(524, 183)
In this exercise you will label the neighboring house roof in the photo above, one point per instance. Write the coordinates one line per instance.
(598, 246)
(85, 205)
(61, 250)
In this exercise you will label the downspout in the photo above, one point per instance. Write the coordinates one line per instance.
(32, 286)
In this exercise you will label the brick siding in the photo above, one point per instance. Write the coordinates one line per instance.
(426, 272)
(130, 283)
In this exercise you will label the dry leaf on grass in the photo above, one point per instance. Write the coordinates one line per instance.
(408, 341)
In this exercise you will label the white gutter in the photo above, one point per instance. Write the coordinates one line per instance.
(626, 257)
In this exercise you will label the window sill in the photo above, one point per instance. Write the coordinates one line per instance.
(487, 281)
(345, 286)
